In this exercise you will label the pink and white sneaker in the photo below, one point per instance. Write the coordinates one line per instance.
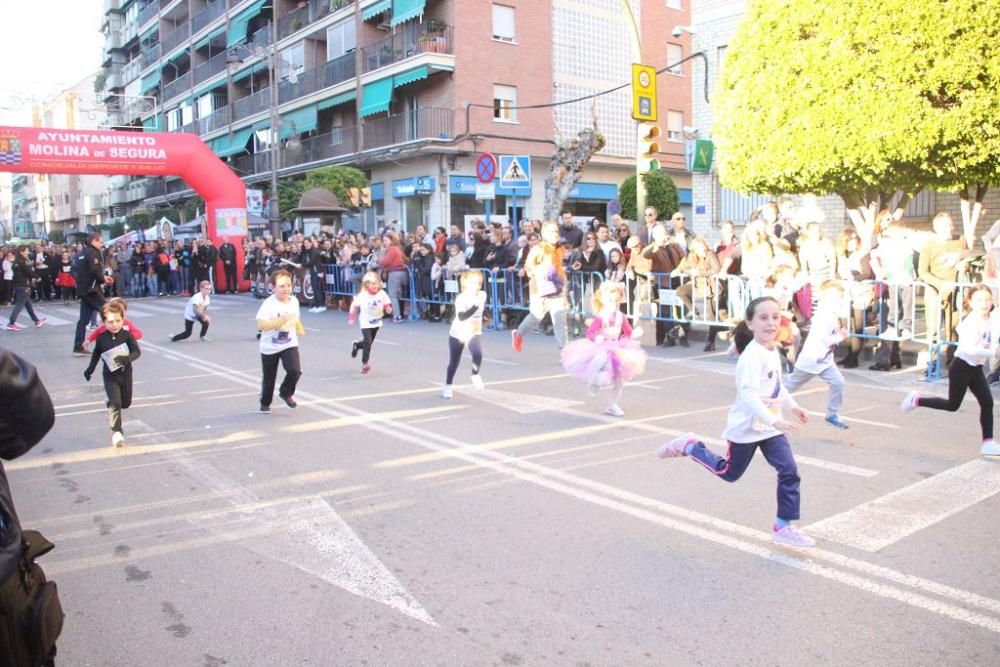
(13, 326)
(910, 402)
(366, 368)
(792, 537)
(677, 446)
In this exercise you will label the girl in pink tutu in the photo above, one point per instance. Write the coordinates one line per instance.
(610, 355)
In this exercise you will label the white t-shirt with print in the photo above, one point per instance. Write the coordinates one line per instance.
(371, 308)
(464, 330)
(194, 303)
(277, 340)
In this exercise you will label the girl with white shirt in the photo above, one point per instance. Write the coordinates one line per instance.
(466, 329)
(280, 328)
(756, 421)
(369, 306)
(977, 343)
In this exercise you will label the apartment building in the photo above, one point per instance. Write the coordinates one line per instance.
(412, 91)
(713, 23)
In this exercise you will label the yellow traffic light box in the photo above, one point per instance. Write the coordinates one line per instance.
(649, 147)
(643, 92)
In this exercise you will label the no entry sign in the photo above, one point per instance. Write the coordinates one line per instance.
(486, 168)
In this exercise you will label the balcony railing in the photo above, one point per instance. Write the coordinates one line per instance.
(326, 75)
(150, 56)
(217, 119)
(421, 123)
(176, 37)
(207, 15)
(341, 141)
(313, 11)
(410, 41)
(247, 165)
(112, 6)
(148, 12)
(207, 70)
(179, 85)
(252, 104)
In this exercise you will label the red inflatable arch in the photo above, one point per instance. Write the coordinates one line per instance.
(39, 150)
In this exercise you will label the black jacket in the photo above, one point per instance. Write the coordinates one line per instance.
(107, 341)
(90, 271)
(23, 271)
(227, 253)
(26, 415)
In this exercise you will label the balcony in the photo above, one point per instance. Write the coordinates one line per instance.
(422, 123)
(149, 57)
(429, 37)
(114, 79)
(207, 15)
(112, 6)
(176, 37)
(341, 141)
(148, 13)
(214, 121)
(252, 104)
(113, 40)
(248, 165)
(207, 70)
(313, 11)
(176, 87)
(329, 74)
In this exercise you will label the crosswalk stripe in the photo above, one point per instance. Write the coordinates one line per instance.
(52, 320)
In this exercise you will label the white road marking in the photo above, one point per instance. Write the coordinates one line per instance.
(307, 534)
(879, 523)
(52, 320)
(857, 420)
(523, 404)
(387, 342)
(690, 522)
(837, 467)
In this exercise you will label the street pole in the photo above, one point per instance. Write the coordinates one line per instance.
(273, 204)
(640, 186)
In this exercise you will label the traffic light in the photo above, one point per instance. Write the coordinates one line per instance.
(354, 196)
(649, 147)
(365, 197)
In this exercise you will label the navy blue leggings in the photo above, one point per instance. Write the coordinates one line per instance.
(455, 347)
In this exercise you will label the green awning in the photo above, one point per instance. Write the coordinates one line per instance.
(242, 74)
(338, 99)
(375, 97)
(176, 54)
(233, 145)
(410, 76)
(406, 10)
(371, 11)
(146, 35)
(207, 89)
(304, 119)
(149, 82)
(238, 26)
(208, 38)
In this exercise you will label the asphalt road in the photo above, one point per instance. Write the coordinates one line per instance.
(379, 524)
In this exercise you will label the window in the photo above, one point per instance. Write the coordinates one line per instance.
(675, 126)
(205, 107)
(675, 4)
(504, 101)
(341, 39)
(675, 53)
(503, 23)
(292, 62)
(173, 120)
(187, 114)
(720, 54)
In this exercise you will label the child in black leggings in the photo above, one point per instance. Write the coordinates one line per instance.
(118, 349)
(466, 329)
(977, 343)
(370, 305)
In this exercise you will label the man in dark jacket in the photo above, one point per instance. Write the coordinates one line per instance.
(90, 281)
(26, 415)
(210, 258)
(227, 253)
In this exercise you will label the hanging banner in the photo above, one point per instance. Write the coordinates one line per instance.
(230, 222)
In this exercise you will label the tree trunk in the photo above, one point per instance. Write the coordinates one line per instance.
(566, 168)
(971, 212)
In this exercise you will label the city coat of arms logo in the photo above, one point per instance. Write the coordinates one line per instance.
(10, 147)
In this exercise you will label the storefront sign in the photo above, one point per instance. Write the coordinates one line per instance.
(413, 187)
(485, 191)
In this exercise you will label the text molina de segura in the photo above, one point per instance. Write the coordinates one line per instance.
(119, 145)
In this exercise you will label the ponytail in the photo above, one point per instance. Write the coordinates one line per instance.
(742, 335)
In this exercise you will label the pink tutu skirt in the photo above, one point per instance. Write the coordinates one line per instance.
(601, 364)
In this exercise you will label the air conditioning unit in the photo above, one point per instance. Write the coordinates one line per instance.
(384, 26)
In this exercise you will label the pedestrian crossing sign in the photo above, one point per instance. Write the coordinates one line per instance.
(515, 171)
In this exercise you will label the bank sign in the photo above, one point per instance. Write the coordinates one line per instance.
(411, 187)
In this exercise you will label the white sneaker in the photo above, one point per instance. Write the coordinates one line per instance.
(477, 382)
(319, 309)
(909, 402)
(312, 310)
(905, 334)
(990, 448)
(791, 536)
(614, 411)
(447, 392)
(117, 439)
(676, 447)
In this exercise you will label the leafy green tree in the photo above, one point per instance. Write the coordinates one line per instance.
(660, 192)
(861, 99)
(335, 179)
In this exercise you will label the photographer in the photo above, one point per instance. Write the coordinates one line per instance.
(30, 614)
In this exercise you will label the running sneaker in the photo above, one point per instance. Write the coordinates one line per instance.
(117, 439)
(289, 401)
(41, 322)
(78, 351)
(990, 448)
(677, 446)
(366, 368)
(835, 421)
(14, 326)
(516, 340)
(791, 536)
(354, 349)
(265, 409)
(910, 402)
(319, 309)
(477, 382)
(447, 392)
(204, 339)
(614, 411)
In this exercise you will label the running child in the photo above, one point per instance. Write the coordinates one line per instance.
(196, 310)
(755, 421)
(816, 357)
(977, 343)
(118, 349)
(609, 355)
(466, 329)
(280, 328)
(372, 303)
(128, 325)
